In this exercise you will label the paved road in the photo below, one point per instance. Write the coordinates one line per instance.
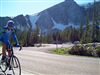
(35, 61)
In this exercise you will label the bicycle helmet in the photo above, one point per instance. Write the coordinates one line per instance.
(10, 23)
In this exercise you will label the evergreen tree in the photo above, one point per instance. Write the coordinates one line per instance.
(88, 34)
(95, 27)
(81, 33)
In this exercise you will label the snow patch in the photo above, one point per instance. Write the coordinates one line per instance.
(58, 25)
(73, 25)
(33, 19)
(62, 26)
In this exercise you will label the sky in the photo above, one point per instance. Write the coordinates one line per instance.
(16, 7)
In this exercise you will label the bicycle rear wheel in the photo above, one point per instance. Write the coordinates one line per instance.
(15, 65)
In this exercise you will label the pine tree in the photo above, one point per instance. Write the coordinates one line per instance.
(95, 27)
(88, 36)
(37, 35)
(81, 33)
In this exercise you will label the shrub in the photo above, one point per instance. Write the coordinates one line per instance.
(87, 50)
(77, 50)
(90, 51)
(98, 51)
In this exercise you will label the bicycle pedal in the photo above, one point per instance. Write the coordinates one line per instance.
(10, 68)
(15, 66)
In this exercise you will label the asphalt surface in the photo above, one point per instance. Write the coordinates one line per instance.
(38, 61)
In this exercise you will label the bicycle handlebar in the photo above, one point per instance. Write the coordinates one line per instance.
(20, 48)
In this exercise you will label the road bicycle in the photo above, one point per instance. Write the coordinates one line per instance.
(14, 64)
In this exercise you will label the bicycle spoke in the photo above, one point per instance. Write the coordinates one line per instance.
(3, 65)
(15, 64)
(13, 72)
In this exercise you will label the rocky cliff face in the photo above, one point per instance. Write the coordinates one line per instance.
(66, 12)
(60, 16)
(21, 23)
(3, 20)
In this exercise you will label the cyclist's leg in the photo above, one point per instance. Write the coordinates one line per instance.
(7, 42)
(3, 51)
(9, 50)
(8, 46)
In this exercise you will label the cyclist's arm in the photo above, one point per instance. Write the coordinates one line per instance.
(15, 37)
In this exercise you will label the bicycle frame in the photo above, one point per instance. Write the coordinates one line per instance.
(13, 60)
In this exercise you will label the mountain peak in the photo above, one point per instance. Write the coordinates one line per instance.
(69, 0)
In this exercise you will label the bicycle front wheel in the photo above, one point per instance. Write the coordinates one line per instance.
(15, 65)
(3, 64)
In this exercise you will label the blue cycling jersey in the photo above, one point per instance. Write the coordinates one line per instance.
(5, 35)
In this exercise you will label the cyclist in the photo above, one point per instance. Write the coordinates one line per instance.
(5, 34)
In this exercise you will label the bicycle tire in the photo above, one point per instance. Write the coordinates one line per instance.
(1, 65)
(15, 65)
